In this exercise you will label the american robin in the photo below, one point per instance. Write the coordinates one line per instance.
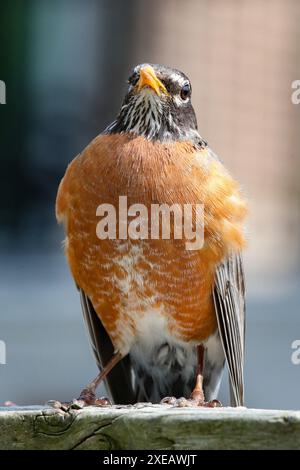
(162, 319)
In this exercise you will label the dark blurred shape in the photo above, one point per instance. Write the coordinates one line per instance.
(64, 62)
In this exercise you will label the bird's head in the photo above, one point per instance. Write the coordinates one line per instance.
(157, 105)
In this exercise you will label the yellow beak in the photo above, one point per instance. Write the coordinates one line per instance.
(148, 78)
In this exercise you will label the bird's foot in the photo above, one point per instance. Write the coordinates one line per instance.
(86, 398)
(190, 402)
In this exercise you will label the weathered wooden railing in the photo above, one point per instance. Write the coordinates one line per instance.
(148, 427)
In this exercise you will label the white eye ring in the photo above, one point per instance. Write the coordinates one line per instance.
(179, 101)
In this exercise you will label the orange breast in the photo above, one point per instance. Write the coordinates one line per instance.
(130, 281)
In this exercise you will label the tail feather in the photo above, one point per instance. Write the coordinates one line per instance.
(119, 380)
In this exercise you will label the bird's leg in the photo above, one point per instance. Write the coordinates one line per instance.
(87, 396)
(198, 393)
(197, 396)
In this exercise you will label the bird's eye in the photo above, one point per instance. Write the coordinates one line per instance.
(185, 91)
(133, 79)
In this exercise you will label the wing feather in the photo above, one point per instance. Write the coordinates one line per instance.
(229, 300)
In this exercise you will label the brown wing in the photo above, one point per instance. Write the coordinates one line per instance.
(229, 300)
(119, 380)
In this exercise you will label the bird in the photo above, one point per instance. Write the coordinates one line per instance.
(163, 320)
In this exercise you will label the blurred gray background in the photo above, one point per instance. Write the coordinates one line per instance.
(65, 64)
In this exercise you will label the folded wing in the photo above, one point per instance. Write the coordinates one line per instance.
(229, 300)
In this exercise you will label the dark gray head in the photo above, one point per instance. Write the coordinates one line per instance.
(157, 105)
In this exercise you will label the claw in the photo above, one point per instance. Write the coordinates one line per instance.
(213, 404)
(103, 401)
(87, 396)
(79, 403)
(168, 401)
(189, 402)
(184, 403)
